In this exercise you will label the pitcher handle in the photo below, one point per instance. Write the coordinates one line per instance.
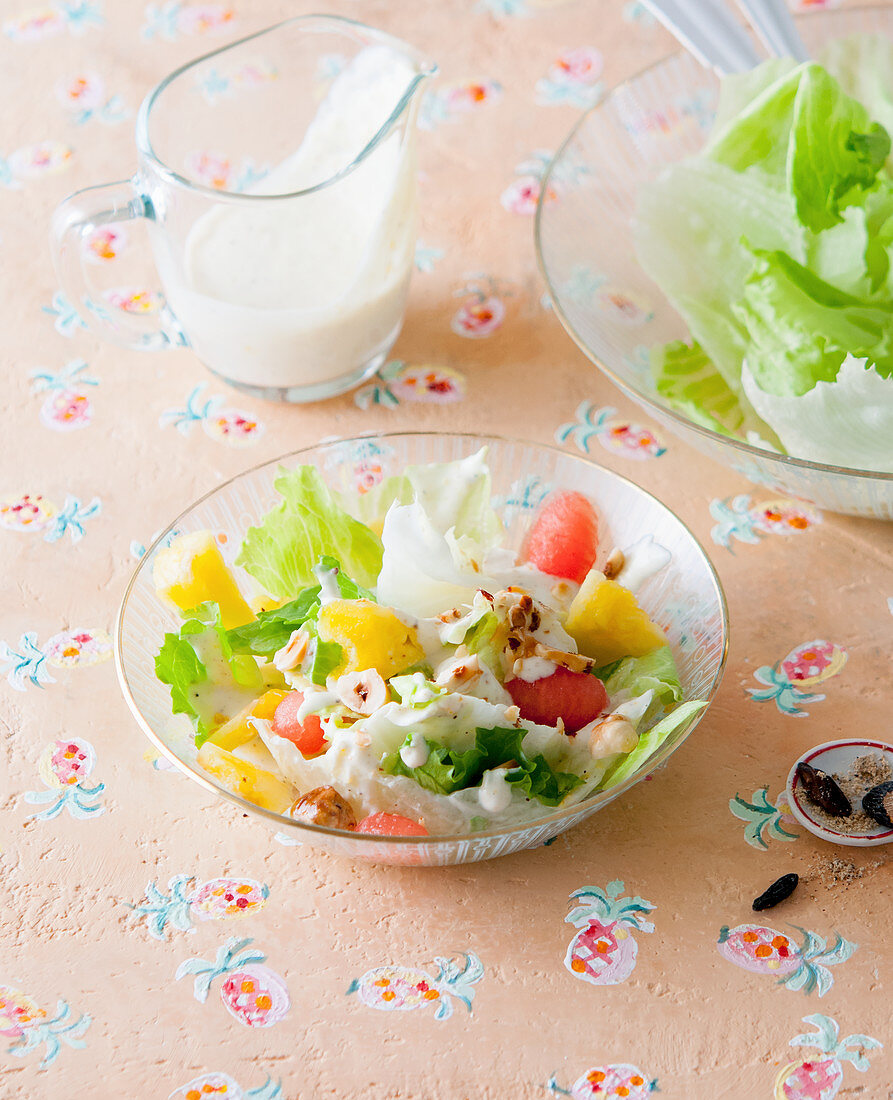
(73, 222)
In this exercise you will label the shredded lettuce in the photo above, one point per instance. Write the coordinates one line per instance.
(448, 770)
(281, 551)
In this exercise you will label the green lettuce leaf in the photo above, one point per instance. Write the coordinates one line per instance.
(687, 378)
(325, 658)
(801, 328)
(650, 741)
(309, 524)
(656, 672)
(271, 630)
(197, 662)
(178, 665)
(447, 770)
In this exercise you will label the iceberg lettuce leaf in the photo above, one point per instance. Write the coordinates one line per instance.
(281, 551)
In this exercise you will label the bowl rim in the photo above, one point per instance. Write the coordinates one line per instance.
(196, 774)
(631, 391)
(849, 840)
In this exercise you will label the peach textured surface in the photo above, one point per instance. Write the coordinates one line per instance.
(105, 865)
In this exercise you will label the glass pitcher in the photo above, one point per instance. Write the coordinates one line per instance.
(277, 177)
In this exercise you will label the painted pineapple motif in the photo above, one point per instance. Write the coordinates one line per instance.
(766, 951)
(809, 664)
(604, 1082)
(254, 994)
(64, 767)
(216, 899)
(211, 1085)
(604, 952)
(403, 988)
(26, 1023)
(820, 1077)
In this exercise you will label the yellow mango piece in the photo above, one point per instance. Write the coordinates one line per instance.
(255, 784)
(191, 571)
(606, 622)
(371, 637)
(237, 731)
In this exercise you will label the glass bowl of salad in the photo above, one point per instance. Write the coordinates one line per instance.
(422, 648)
(722, 253)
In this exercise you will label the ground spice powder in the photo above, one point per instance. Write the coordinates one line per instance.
(864, 773)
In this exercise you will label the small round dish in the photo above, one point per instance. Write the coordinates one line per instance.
(685, 598)
(832, 758)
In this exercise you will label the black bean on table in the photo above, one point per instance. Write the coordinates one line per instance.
(779, 890)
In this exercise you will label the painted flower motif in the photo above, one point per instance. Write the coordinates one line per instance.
(84, 92)
(366, 477)
(572, 78)
(45, 158)
(231, 426)
(216, 899)
(67, 407)
(217, 171)
(397, 381)
(624, 306)
(764, 950)
(478, 316)
(254, 994)
(66, 411)
(75, 16)
(739, 519)
(603, 952)
(222, 1085)
(84, 96)
(617, 436)
(450, 103)
(807, 665)
(22, 1020)
(78, 647)
(216, 85)
(814, 1077)
(765, 819)
(105, 243)
(64, 766)
(404, 988)
(604, 1082)
(500, 9)
(482, 311)
(522, 195)
(173, 18)
(130, 300)
(67, 321)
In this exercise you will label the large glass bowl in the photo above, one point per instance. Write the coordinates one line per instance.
(612, 309)
(685, 598)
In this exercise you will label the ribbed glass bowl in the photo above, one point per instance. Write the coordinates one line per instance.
(611, 308)
(685, 598)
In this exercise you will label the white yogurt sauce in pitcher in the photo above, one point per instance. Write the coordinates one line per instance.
(306, 290)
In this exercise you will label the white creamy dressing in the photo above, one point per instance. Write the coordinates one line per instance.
(416, 753)
(218, 694)
(494, 793)
(530, 669)
(328, 584)
(299, 291)
(314, 702)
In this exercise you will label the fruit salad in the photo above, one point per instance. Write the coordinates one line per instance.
(384, 663)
